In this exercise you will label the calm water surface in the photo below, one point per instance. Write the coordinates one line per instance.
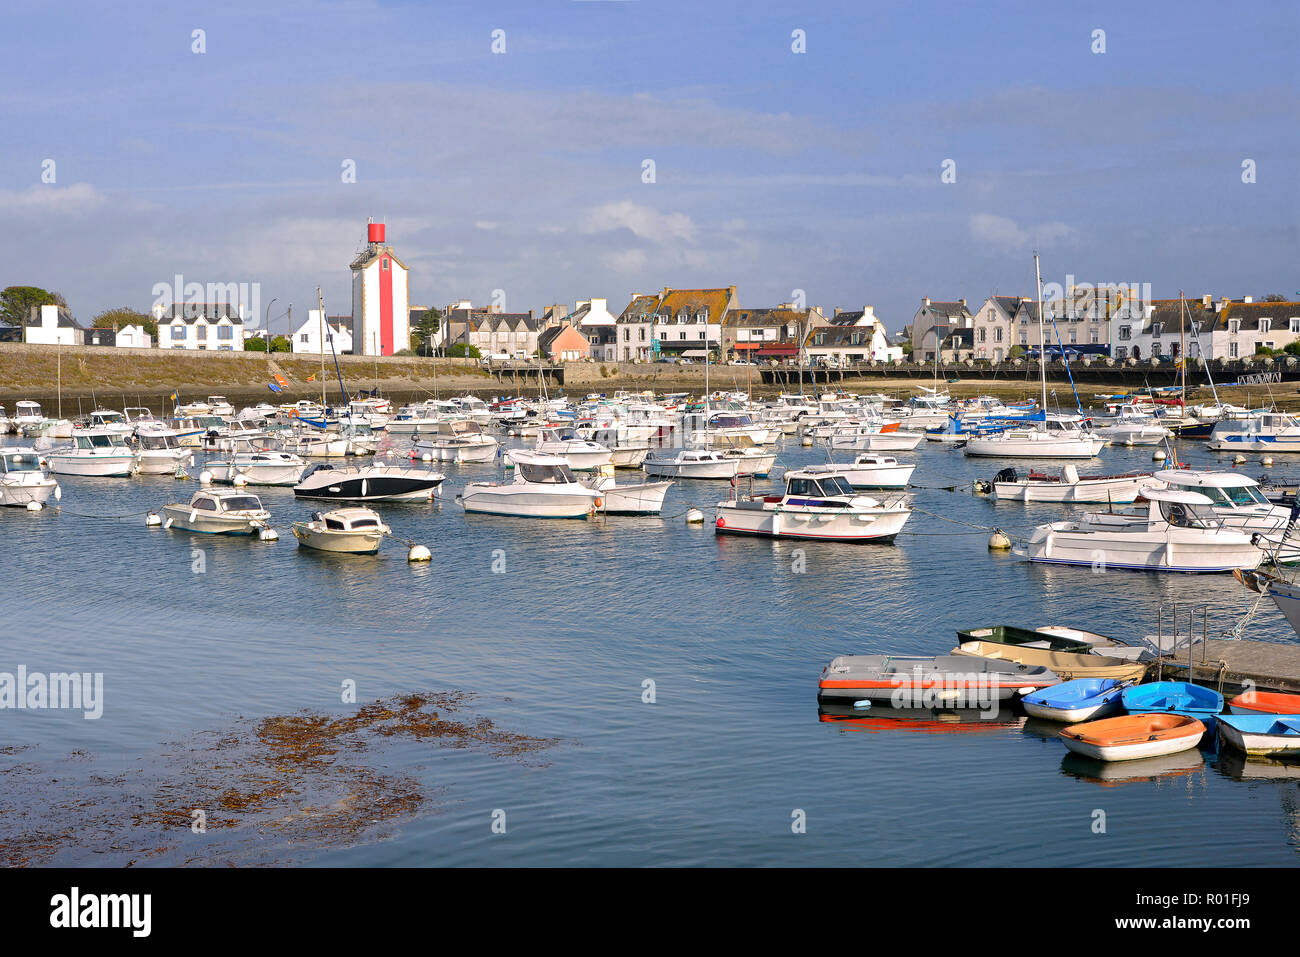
(559, 645)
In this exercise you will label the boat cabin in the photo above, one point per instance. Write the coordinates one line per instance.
(1221, 489)
(98, 441)
(348, 520)
(225, 501)
(14, 461)
(544, 474)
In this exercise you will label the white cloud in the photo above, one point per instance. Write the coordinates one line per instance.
(1004, 233)
(642, 221)
(50, 198)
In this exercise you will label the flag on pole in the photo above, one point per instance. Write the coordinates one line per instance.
(176, 397)
(312, 377)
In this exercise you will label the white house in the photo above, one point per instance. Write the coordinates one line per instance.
(874, 334)
(201, 326)
(133, 337)
(310, 336)
(592, 318)
(381, 316)
(52, 325)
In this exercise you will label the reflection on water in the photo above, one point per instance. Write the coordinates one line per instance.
(732, 632)
(1114, 773)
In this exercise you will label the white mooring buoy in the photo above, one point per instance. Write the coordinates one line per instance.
(268, 535)
(153, 520)
(1158, 455)
(205, 477)
(806, 440)
(239, 481)
(1267, 461)
(419, 553)
(426, 457)
(694, 516)
(1239, 460)
(998, 541)
(34, 506)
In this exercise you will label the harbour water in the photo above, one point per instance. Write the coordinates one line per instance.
(556, 627)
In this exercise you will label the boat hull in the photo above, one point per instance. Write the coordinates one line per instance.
(351, 543)
(185, 519)
(767, 520)
(510, 500)
(1261, 734)
(1064, 543)
(1131, 737)
(93, 466)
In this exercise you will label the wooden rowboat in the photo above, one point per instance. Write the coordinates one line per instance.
(1012, 635)
(1069, 665)
(1133, 736)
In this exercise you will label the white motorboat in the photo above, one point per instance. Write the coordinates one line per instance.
(690, 464)
(628, 456)
(720, 428)
(1177, 531)
(875, 471)
(27, 415)
(1237, 500)
(818, 503)
(369, 483)
(262, 467)
(158, 450)
(886, 438)
(640, 498)
(106, 420)
(220, 405)
(581, 455)
(23, 480)
(1054, 437)
(354, 531)
(314, 444)
(542, 487)
(1269, 432)
(1066, 486)
(93, 453)
(459, 441)
(1131, 426)
(5, 424)
(750, 461)
(218, 512)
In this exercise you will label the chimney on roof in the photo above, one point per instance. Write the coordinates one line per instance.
(1247, 298)
(962, 301)
(925, 301)
(1206, 299)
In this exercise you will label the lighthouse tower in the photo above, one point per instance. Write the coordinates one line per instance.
(381, 322)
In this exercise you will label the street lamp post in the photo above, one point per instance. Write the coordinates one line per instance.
(267, 327)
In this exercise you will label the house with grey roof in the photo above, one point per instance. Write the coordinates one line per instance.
(201, 326)
(935, 322)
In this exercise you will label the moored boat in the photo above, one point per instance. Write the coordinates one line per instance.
(1133, 736)
(23, 480)
(354, 531)
(1174, 697)
(818, 503)
(218, 512)
(1077, 700)
(369, 483)
(1265, 702)
(542, 487)
(1067, 664)
(1263, 734)
(911, 681)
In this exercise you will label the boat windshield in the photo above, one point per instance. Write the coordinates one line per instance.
(157, 442)
(99, 441)
(21, 462)
(241, 503)
(1182, 515)
(836, 485)
(1237, 495)
(546, 474)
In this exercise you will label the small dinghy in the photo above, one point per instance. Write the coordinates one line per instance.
(1174, 697)
(1133, 736)
(353, 531)
(1025, 637)
(1069, 665)
(913, 681)
(1265, 702)
(1083, 699)
(1263, 734)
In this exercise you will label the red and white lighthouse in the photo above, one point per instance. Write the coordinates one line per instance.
(381, 323)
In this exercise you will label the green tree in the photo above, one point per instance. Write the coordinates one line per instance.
(126, 316)
(426, 328)
(16, 303)
(258, 344)
(1016, 352)
(1274, 297)
(1293, 348)
(460, 351)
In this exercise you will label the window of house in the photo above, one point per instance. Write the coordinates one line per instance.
(681, 335)
(178, 330)
(225, 332)
(1232, 350)
(1125, 333)
(997, 334)
(642, 330)
(383, 264)
(304, 337)
(1234, 326)
(1155, 330)
(1265, 325)
(201, 332)
(983, 338)
(1121, 352)
(1295, 325)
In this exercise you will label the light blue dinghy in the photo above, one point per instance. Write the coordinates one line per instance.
(1083, 699)
(1261, 734)
(1174, 697)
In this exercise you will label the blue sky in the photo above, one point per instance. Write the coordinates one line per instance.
(775, 171)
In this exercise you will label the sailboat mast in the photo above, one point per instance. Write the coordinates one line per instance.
(320, 303)
(1042, 339)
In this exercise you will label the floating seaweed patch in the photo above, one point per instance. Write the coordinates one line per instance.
(255, 793)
